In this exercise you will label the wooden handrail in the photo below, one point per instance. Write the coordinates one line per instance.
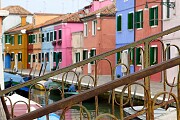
(100, 89)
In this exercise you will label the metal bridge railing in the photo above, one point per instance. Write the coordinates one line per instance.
(126, 81)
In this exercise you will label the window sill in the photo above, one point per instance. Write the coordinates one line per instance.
(139, 65)
(154, 26)
(19, 44)
(7, 43)
(139, 28)
(167, 19)
(130, 29)
(119, 31)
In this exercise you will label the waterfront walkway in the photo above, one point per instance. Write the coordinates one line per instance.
(136, 90)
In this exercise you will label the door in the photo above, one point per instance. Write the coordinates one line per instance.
(7, 61)
(16, 62)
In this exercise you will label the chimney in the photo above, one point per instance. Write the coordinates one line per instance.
(23, 20)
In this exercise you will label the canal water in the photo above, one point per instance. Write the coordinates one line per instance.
(73, 113)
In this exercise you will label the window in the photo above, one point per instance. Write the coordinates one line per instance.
(7, 39)
(138, 56)
(54, 56)
(153, 55)
(39, 57)
(47, 57)
(77, 57)
(29, 58)
(19, 56)
(51, 36)
(34, 58)
(168, 52)
(55, 33)
(12, 40)
(58, 57)
(43, 37)
(42, 57)
(33, 39)
(60, 34)
(30, 38)
(85, 54)
(94, 25)
(168, 9)
(131, 55)
(19, 39)
(92, 53)
(12, 56)
(47, 37)
(118, 56)
(139, 19)
(119, 22)
(153, 16)
(85, 29)
(130, 20)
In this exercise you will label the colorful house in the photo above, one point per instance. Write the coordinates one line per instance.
(16, 46)
(77, 48)
(13, 20)
(171, 19)
(98, 39)
(124, 32)
(148, 22)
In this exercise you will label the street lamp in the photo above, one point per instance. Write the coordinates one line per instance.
(168, 4)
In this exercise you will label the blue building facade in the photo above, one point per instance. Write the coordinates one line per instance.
(47, 46)
(124, 30)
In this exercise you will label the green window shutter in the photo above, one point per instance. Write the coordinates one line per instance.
(84, 54)
(19, 42)
(76, 57)
(138, 53)
(55, 32)
(118, 57)
(156, 16)
(119, 22)
(151, 55)
(29, 58)
(151, 16)
(54, 56)
(130, 21)
(142, 20)
(92, 53)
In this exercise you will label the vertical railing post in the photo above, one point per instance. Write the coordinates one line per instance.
(147, 81)
(178, 91)
(96, 97)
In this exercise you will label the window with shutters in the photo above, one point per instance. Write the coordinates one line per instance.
(55, 33)
(34, 58)
(85, 54)
(168, 52)
(60, 34)
(30, 38)
(85, 29)
(118, 57)
(12, 40)
(153, 16)
(29, 58)
(131, 56)
(139, 19)
(54, 56)
(42, 57)
(130, 21)
(138, 56)
(7, 39)
(92, 53)
(51, 36)
(47, 37)
(19, 39)
(39, 57)
(59, 56)
(119, 23)
(12, 56)
(43, 37)
(47, 57)
(94, 25)
(19, 56)
(77, 57)
(153, 55)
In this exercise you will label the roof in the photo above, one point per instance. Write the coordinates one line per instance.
(107, 10)
(18, 28)
(67, 18)
(17, 10)
(48, 14)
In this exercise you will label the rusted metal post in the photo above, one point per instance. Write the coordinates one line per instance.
(147, 80)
